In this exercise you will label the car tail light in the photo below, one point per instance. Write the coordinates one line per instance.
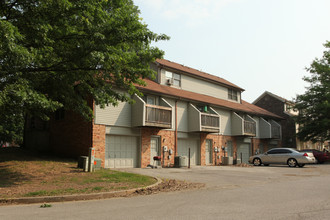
(305, 155)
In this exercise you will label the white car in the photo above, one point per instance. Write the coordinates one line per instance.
(287, 156)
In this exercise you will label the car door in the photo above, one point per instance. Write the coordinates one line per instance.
(270, 156)
(283, 156)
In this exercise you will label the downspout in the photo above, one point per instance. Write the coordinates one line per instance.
(176, 129)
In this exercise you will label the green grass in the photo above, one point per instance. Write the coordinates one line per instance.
(56, 192)
(117, 177)
(44, 175)
(123, 179)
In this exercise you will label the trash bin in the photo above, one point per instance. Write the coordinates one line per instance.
(227, 160)
(177, 161)
(238, 161)
(81, 161)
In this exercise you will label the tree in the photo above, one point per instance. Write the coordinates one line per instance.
(314, 105)
(57, 54)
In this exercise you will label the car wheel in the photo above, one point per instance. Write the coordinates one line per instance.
(292, 162)
(256, 162)
(301, 165)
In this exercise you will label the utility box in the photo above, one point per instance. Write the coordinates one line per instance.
(180, 161)
(227, 160)
(183, 161)
(97, 164)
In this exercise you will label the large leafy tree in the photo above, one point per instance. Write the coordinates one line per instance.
(58, 53)
(314, 105)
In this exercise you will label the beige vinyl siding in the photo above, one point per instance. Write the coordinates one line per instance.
(115, 116)
(203, 87)
(162, 77)
(256, 119)
(123, 131)
(182, 116)
(236, 124)
(200, 86)
(225, 121)
(265, 129)
(194, 118)
(138, 113)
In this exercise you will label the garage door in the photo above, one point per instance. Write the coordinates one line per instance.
(183, 150)
(121, 151)
(244, 151)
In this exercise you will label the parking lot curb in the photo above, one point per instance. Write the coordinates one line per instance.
(77, 197)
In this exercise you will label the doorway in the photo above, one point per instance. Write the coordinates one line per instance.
(155, 150)
(208, 152)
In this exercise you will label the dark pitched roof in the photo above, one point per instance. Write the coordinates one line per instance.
(194, 72)
(168, 91)
(273, 95)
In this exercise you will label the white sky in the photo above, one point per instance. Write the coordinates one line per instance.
(258, 45)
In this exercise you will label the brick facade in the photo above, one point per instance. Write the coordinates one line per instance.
(70, 136)
(166, 138)
(98, 140)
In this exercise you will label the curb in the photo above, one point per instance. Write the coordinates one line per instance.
(77, 197)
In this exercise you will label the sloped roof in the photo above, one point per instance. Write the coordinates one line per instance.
(168, 91)
(273, 95)
(194, 72)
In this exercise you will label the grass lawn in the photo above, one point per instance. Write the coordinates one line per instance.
(24, 174)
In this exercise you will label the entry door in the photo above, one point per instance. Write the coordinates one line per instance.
(243, 151)
(229, 149)
(208, 152)
(154, 150)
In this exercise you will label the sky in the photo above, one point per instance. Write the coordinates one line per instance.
(259, 45)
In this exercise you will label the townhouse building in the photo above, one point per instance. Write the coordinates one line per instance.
(284, 108)
(183, 112)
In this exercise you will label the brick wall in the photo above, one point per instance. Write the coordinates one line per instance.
(218, 141)
(98, 140)
(71, 135)
(166, 138)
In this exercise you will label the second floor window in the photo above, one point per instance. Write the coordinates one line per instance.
(173, 78)
(151, 100)
(232, 94)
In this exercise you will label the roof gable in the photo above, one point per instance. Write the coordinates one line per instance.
(196, 73)
(272, 95)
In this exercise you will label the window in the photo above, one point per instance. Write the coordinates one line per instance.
(174, 78)
(232, 94)
(151, 100)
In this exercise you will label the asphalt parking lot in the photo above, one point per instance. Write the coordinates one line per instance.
(230, 176)
(273, 192)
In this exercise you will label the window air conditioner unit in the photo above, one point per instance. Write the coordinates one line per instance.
(169, 81)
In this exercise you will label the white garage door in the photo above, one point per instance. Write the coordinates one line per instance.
(183, 150)
(121, 151)
(244, 151)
